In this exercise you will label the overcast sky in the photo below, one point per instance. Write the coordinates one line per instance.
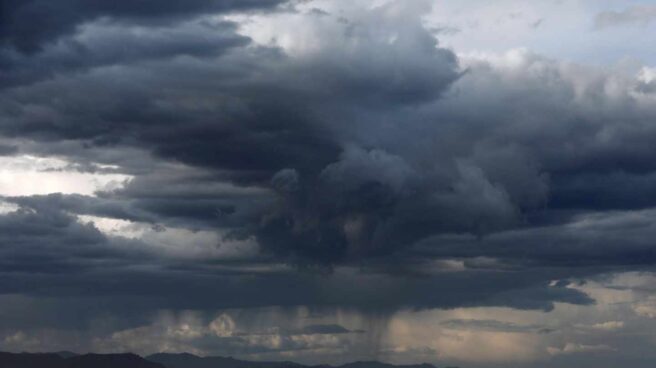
(465, 183)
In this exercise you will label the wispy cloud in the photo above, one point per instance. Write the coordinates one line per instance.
(641, 15)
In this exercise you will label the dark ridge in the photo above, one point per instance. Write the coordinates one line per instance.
(55, 360)
(375, 364)
(67, 359)
(66, 354)
(186, 360)
(111, 361)
(27, 360)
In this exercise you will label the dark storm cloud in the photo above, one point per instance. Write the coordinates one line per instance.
(265, 118)
(171, 196)
(48, 242)
(28, 25)
(62, 258)
(621, 238)
(48, 253)
(107, 44)
(605, 191)
(41, 39)
(376, 153)
(7, 150)
(84, 205)
(195, 200)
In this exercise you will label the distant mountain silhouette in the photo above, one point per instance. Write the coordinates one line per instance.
(186, 360)
(66, 354)
(71, 360)
(25, 360)
(67, 359)
(375, 364)
(110, 361)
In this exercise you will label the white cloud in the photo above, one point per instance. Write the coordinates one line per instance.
(6, 207)
(646, 308)
(572, 348)
(647, 75)
(223, 326)
(608, 326)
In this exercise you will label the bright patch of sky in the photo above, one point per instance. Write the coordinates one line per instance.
(567, 30)
(25, 175)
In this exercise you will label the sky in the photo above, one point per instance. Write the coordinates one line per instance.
(464, 183)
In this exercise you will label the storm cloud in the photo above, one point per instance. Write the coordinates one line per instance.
(347, 160)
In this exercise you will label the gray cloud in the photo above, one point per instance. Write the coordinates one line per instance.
(7, 150)
(20, 18)
(104, 44)
(492, 325)
(639, 14)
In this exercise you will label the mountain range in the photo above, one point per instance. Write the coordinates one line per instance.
(64, 360)
(67, 359)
